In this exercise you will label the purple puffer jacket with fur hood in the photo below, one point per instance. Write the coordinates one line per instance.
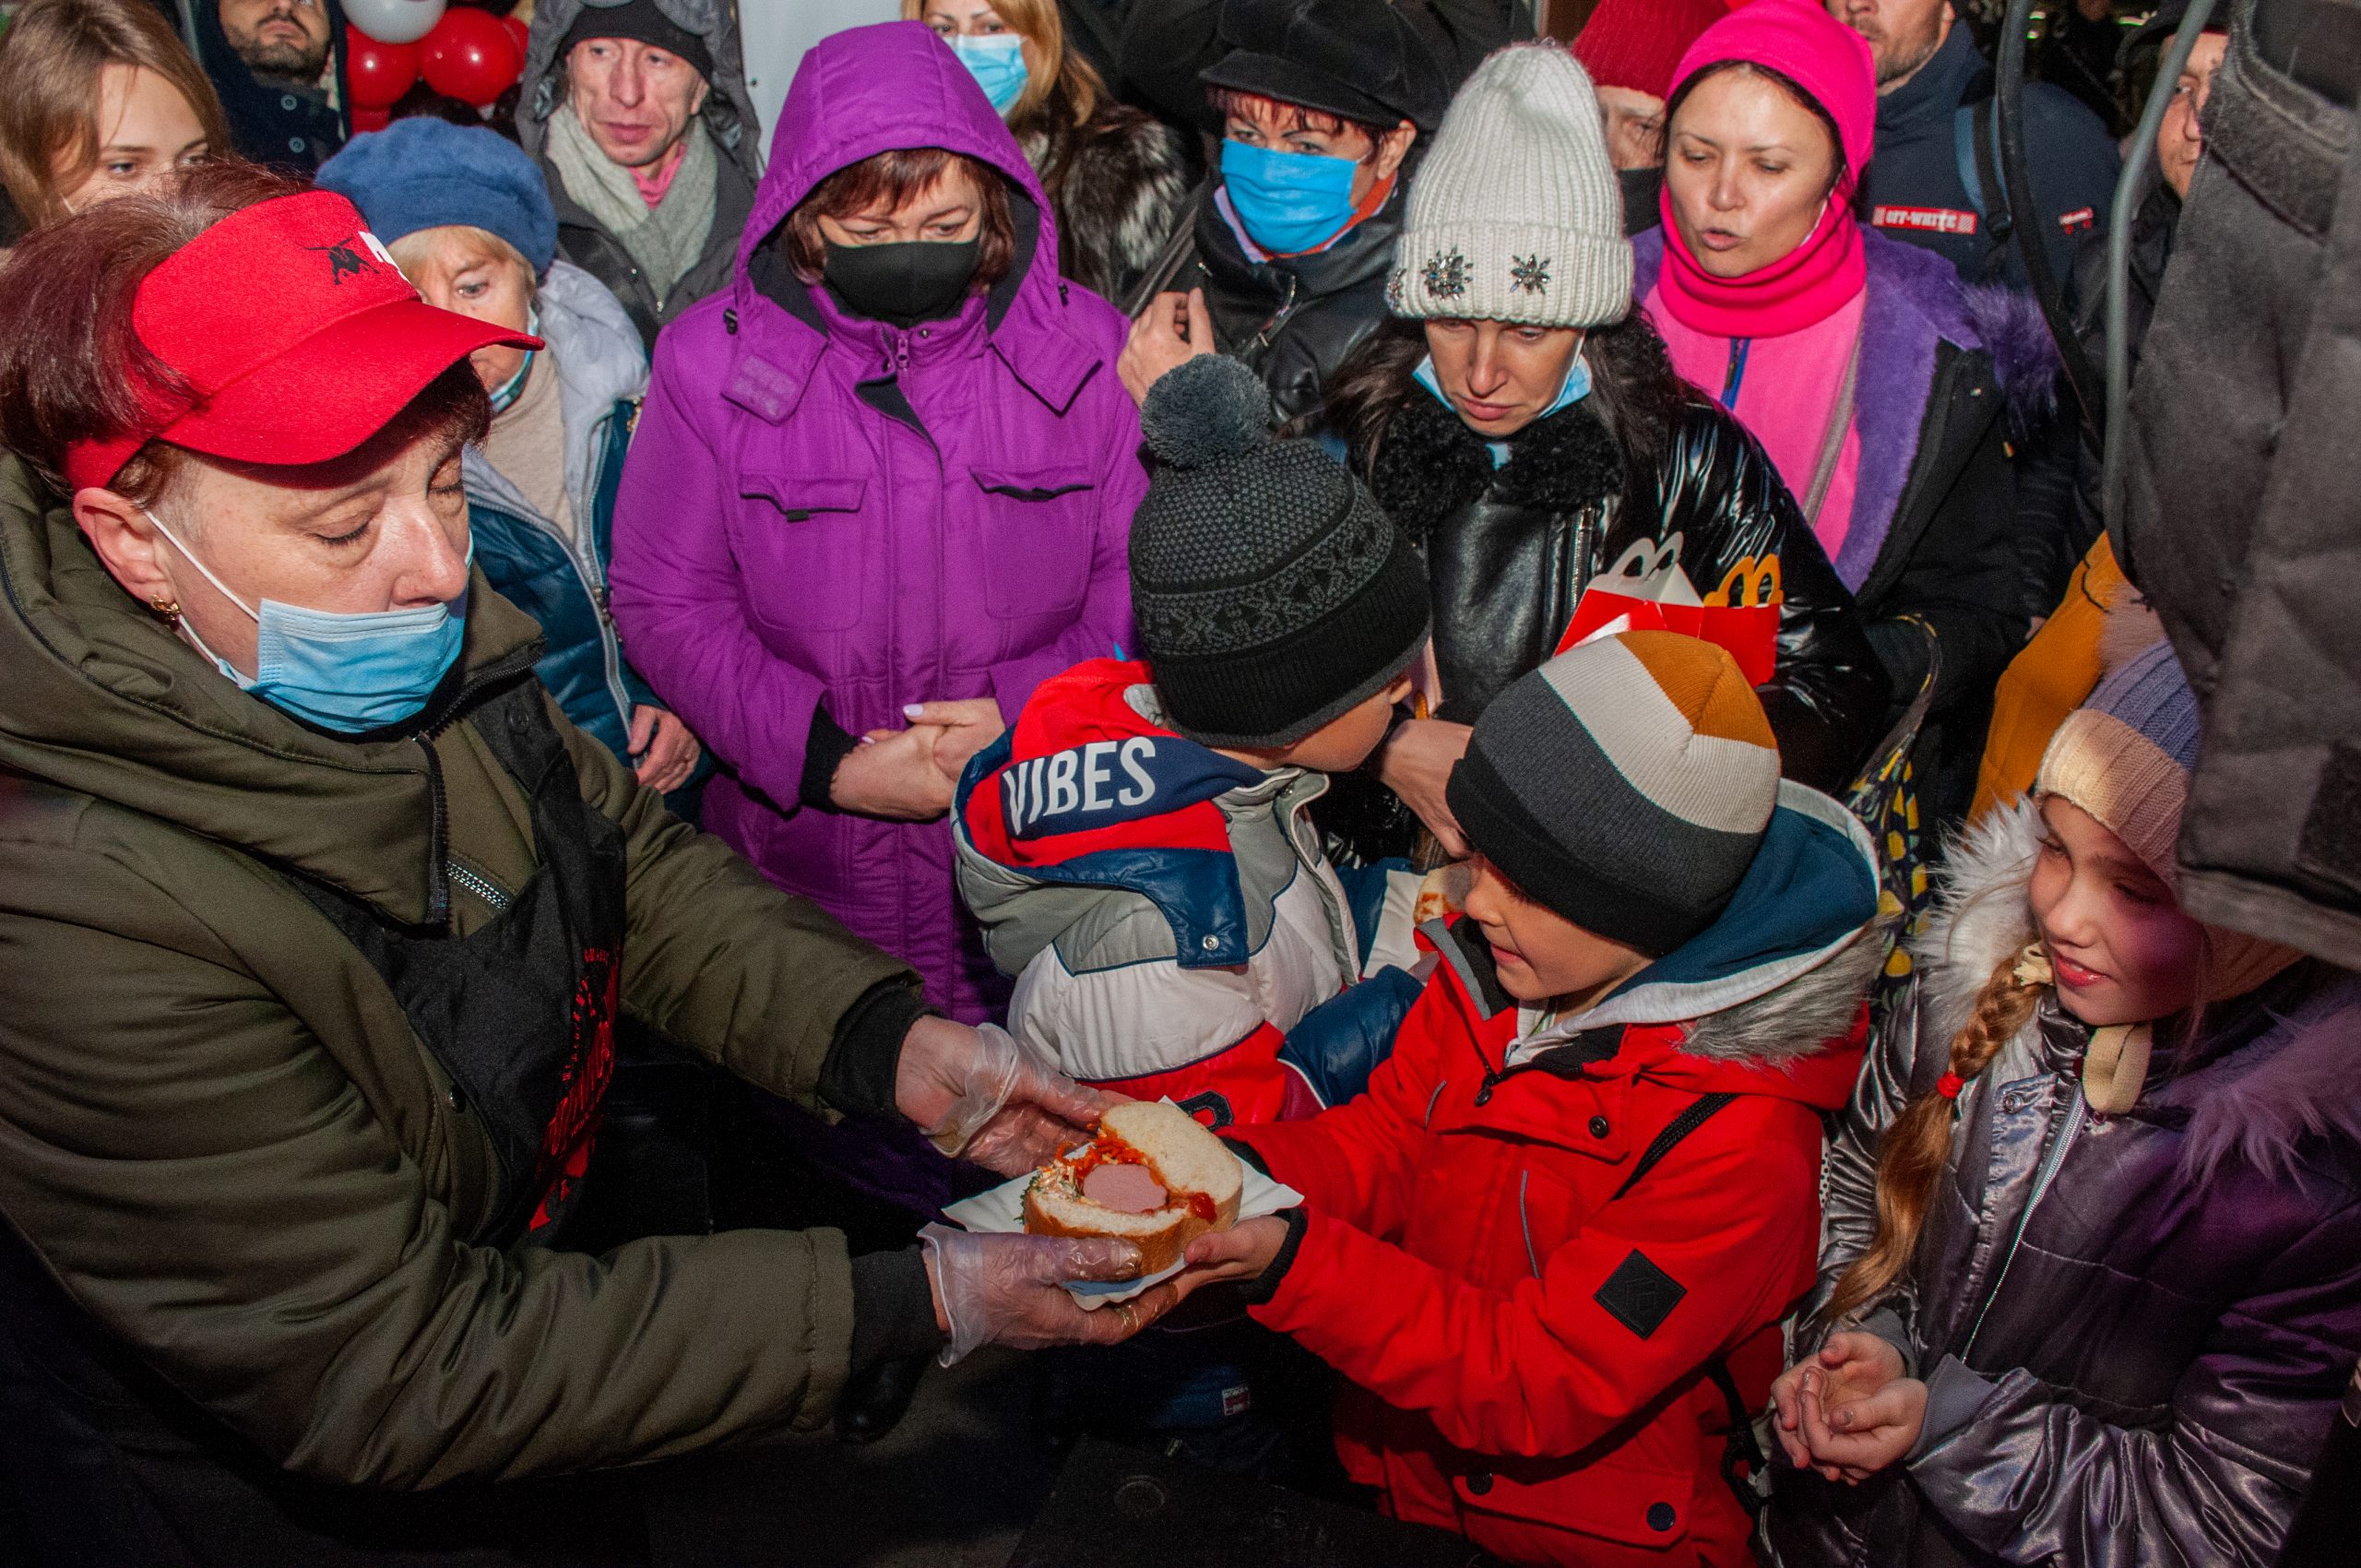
(824, 510)
(2134, 1330)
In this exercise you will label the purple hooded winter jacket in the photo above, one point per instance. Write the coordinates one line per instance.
(782, 540)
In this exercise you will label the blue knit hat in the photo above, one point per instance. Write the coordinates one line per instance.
(423, 173)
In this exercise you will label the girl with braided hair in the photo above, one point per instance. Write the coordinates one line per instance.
(2090, 1282)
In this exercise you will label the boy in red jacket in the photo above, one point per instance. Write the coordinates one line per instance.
(1551, 1244)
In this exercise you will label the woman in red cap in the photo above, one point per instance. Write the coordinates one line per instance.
(1630, 48)
(318, 924)
(1879, 386)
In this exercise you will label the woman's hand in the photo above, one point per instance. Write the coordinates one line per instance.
(667, 752)
(969, 725)
(892, 774)
(1851, 1365)
(1417, 764)
(997, 1289)
(981, 1096)
(1174, 328)
(1243, 1251)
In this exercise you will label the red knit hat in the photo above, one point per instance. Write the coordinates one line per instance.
(1636, 43)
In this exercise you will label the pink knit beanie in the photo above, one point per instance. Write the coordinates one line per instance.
(1801, 42)
(1638, 44)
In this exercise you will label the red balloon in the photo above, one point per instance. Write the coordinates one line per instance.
(380, 73)
(369, 119)
(470, 57)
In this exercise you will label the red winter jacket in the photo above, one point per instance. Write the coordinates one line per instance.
(1529, 1352)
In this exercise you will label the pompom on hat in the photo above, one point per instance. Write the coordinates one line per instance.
(1517, 214)
(1271, 591)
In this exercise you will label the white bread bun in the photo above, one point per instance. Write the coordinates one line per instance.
(1201, 1180)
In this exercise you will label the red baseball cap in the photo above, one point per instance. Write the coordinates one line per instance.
(298, 337)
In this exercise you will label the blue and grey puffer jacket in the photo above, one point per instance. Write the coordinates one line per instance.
(562, 582)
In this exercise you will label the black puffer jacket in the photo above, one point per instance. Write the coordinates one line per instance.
(1644, 463)
(1294, 321)
(2134, 1330)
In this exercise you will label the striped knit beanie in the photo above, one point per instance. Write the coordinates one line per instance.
(1517, 214)
(1625, 785)
(2125, 756)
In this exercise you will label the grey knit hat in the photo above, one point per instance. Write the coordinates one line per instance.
(1517, 214)
(1626, 785)
(1271, 591)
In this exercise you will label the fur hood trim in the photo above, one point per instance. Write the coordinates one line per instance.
(1431, 466)
(2257, 1107)
(2296, 1085)
(1801, 1018)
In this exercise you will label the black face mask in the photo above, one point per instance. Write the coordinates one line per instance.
(902, 283)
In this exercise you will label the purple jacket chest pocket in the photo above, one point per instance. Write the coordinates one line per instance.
(805, 553)
(1037, 527)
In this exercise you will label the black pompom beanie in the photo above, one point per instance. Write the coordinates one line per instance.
(1271, 592)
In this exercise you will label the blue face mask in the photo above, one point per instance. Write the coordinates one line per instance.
(345, 672)
(1289, 201)
(1576, 389)
(997, 62)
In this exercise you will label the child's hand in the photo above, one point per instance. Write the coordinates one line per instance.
(1851, 1366)
(1243, 1251)
(1854, 1440)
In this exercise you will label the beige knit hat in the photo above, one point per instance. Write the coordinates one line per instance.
(1516, 214)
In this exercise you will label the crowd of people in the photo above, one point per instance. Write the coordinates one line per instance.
(1525, 630)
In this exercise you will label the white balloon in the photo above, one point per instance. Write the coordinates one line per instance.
(393, 21)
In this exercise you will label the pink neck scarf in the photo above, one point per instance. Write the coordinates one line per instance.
(1802, 289)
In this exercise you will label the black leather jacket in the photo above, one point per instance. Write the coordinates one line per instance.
(2134, 1330)
(1509, 551)
(1294, 321)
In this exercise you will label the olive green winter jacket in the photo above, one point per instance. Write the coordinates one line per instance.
(220, 1134)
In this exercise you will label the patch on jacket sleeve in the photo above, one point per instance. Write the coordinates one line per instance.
(1639, 1295)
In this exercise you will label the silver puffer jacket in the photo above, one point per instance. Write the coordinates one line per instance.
(2134, 1330)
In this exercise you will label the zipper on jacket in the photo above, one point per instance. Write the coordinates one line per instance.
(1279, 316)
(594, 588)
(2043, 1174)
(463, 876)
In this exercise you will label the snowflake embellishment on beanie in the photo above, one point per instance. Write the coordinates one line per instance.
(1446, 274)
(1530, 275)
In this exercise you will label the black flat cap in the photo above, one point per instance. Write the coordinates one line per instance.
(1356, 58)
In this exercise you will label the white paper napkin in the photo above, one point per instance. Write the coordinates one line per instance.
(1001, 1211)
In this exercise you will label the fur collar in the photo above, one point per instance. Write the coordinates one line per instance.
(1431, 466)
(2257, 1107)
(1801, 1018)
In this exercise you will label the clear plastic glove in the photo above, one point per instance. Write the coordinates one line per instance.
(1003, 1289)
(979, 1095)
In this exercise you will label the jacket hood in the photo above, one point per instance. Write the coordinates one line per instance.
(1769, 998)
(1090, 790)
(2258, 1106)
(597, 354)
(102, 699)
(871, 89)
(728, 114)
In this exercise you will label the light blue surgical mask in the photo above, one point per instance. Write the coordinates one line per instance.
(997, 62)
(1289, 202)
(1576, 389)
(345, 672)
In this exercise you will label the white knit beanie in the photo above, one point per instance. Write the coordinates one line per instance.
(1515, 215)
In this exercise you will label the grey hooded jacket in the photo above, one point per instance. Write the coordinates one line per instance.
(2134, 1330)
(728, 117)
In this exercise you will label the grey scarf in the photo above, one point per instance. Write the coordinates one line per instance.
(665, 240)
